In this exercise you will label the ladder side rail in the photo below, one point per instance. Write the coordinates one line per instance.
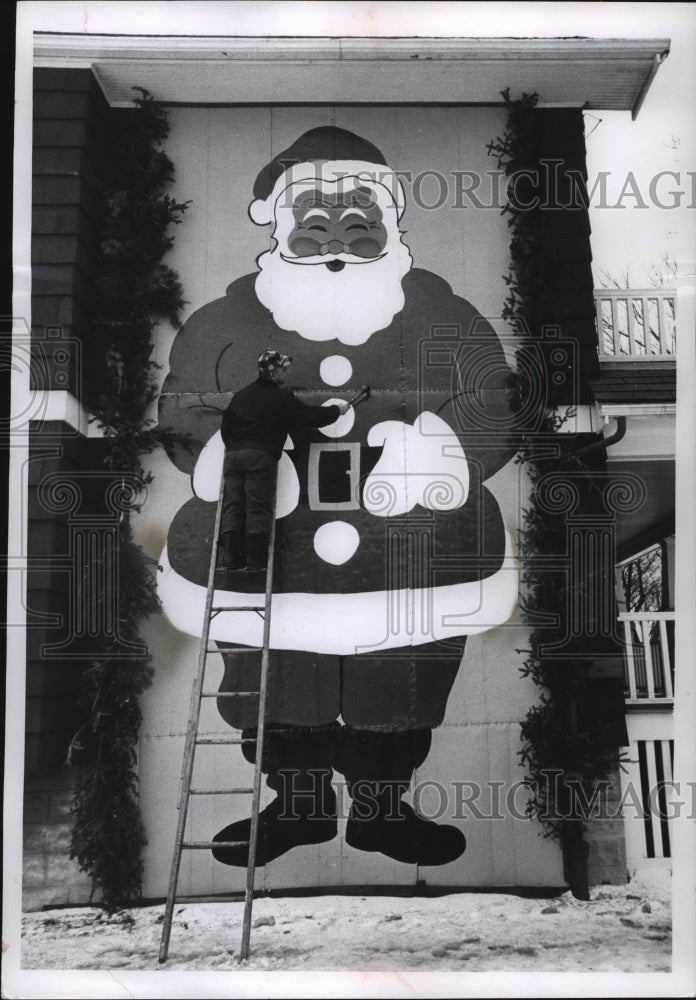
(258, 772)
(190, 746)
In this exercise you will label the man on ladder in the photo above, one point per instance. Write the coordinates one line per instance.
(254, 428)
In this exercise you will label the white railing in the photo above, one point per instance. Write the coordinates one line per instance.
(635, 324)
(648, 656)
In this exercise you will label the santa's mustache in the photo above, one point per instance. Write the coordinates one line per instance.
(326, 257)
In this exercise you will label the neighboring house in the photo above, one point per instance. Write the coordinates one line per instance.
(432, 105)
(637, 388)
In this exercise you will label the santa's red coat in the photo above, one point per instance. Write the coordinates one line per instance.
(438, 355)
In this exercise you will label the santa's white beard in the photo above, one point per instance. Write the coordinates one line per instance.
(320, 304)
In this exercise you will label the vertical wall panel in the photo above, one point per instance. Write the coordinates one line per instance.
(218, 153)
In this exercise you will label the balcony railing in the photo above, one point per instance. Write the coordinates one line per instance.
(648, 656)
(636, 324)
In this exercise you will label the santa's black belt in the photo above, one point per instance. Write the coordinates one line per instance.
(331, 473)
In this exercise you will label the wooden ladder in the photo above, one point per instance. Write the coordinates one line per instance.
(193, 740)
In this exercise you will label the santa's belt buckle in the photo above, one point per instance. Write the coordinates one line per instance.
(314, 486)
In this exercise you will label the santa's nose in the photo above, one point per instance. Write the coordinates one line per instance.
(334, 246)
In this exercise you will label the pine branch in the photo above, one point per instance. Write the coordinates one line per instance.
(135, 290)
(549, 745)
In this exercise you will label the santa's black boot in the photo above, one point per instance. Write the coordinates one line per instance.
(297, 765)
(378, 769)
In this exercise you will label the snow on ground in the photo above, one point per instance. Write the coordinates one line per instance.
(621, 929)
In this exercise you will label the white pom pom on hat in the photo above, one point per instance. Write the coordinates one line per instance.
(261, 212)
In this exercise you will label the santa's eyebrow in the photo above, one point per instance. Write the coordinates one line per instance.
(315, 211)
(352, 211)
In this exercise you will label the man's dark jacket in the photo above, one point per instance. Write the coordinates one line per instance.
(262, 414)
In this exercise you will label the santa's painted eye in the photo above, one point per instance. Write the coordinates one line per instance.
(352, 211)
(316, 213)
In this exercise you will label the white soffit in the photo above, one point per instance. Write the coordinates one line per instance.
(609, 74)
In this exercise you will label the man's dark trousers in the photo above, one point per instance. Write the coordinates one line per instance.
(247, 507)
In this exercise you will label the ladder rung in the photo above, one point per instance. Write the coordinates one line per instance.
(241, 607)
(220, 740)
(220, 791)
(193, 739)
(203, 845)
(235, 649)
(227, 694)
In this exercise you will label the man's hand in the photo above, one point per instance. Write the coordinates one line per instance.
(343, 407)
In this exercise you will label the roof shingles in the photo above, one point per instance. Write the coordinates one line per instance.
(647, 382)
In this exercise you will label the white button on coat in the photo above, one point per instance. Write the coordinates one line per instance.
(335, 370)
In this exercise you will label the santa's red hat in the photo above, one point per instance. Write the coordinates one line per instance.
(310, 156)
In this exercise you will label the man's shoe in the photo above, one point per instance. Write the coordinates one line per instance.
(405, 836)
(257, 552)
(277, 834)
(231, 552)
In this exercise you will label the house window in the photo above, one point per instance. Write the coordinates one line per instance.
(644, 597)
(643, 580)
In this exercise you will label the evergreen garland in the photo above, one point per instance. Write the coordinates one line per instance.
(518, 152)
(564, 755)
(134, 290)
(577, 752)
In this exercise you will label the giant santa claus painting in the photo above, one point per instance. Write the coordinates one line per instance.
(390, 548)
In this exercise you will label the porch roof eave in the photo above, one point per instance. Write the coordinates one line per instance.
(592, 73)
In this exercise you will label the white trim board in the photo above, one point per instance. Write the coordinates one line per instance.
(638, 409)
(58, 405)
(594, 73)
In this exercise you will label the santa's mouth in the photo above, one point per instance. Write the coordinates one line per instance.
(335, 265)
